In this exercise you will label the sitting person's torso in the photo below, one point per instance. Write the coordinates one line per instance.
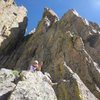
(32, 68)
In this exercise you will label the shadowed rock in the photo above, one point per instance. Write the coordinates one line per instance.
(13, 25)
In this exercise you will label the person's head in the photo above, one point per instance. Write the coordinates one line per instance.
(35, 63)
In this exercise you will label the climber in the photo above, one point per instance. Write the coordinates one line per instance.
(36, 66)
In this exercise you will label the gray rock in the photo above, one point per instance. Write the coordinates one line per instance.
(6, 89)
(32, 87)
(6, 85)
(6, 75)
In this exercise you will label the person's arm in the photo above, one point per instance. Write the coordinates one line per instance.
(53, 84)
(39, 66)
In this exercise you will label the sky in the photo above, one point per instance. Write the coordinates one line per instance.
(89, 9)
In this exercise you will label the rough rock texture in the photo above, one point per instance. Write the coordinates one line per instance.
(71, 39)
(6, 83)
(73, 88)
(33, 87)
(30, 86)
(13, 22)
(88, 31)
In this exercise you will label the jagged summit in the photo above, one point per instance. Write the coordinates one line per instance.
(74, 16)
(49, 16)
(49, 12)
(73, 12)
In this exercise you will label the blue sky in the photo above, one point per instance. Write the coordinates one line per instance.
(89, 9)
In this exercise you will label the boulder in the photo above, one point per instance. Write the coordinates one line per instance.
(33, 87)
(6, 89)
(30, 86)
(6, 83)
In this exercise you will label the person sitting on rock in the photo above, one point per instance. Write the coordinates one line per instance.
(36, 66)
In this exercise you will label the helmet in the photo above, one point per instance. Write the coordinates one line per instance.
(36, 62)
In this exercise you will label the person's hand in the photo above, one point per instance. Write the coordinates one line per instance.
(53, 84)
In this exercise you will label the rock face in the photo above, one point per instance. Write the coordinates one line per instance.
(31, 86)
(6, 83)
(13, 22)
(69, 48)
(73, 87)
